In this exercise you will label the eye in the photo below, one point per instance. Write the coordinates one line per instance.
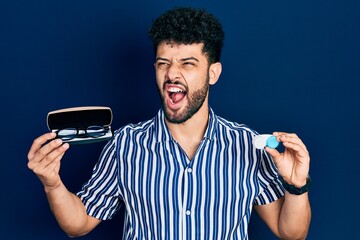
(162, 65)
(188, 64)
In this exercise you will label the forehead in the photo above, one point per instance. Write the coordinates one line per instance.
(171, 50)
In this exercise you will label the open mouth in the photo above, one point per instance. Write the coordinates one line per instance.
(176, 94)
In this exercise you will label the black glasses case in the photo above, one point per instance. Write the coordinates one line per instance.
(81, 118)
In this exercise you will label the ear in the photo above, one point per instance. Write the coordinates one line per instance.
(214, 72)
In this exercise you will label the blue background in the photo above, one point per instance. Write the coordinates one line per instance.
(287, 65)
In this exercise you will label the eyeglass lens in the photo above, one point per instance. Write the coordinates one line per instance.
(95, 131)
(67, 133)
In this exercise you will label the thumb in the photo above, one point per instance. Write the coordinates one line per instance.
(274, 154)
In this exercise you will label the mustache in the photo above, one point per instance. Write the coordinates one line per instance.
(174, 82)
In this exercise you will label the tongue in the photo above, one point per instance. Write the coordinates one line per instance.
(177, 97)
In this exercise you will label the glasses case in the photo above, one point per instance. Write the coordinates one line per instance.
(81, 125)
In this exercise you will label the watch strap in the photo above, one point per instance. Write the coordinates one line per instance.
(295, 190)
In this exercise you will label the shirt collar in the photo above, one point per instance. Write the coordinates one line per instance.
(163, 134)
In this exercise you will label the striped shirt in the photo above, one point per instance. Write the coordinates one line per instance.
(169, 196)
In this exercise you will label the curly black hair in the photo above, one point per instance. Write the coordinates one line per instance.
(187, 26)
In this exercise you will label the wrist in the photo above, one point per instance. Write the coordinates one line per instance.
(52, 188)
(300, 183)
(295, 189)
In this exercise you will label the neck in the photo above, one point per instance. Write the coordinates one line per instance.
(193, 129)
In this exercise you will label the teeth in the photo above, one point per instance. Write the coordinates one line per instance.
(174, 89)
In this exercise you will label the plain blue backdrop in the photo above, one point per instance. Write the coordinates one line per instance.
(287, 65)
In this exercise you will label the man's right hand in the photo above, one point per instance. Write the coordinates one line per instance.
(44, 159)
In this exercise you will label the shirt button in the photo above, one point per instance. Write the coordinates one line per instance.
(188, 212)
(189, 170)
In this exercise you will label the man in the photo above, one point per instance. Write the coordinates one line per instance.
(187, 173)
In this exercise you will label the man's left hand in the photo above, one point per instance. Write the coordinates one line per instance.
(294, 163)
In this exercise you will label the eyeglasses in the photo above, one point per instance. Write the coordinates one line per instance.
(91, 131)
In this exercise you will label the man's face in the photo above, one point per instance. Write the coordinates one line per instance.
(182, 75)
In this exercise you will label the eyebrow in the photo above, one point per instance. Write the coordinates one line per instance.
(181, 60)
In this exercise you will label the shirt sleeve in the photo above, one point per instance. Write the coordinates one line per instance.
(271, 187)
(100, 194)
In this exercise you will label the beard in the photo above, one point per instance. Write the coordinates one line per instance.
(195, 102)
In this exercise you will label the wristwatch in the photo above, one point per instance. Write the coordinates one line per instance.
(295, 190)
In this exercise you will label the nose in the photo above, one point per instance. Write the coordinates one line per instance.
(173, 72)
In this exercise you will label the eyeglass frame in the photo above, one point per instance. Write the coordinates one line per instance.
(106, 129)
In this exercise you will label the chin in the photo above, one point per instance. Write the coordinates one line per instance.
(180, 116)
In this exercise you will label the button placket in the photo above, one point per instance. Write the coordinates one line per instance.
(188, 203)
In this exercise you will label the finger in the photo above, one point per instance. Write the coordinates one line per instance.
(274, 154)
(291, 138)
(43, 157)
(45, 172)
(46, 149)
(53, 156)
(54, 166)
(297, 149)
(38, 142)
(285, 134)
(292, 142)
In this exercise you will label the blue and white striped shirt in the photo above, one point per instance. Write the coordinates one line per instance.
(168, 196)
